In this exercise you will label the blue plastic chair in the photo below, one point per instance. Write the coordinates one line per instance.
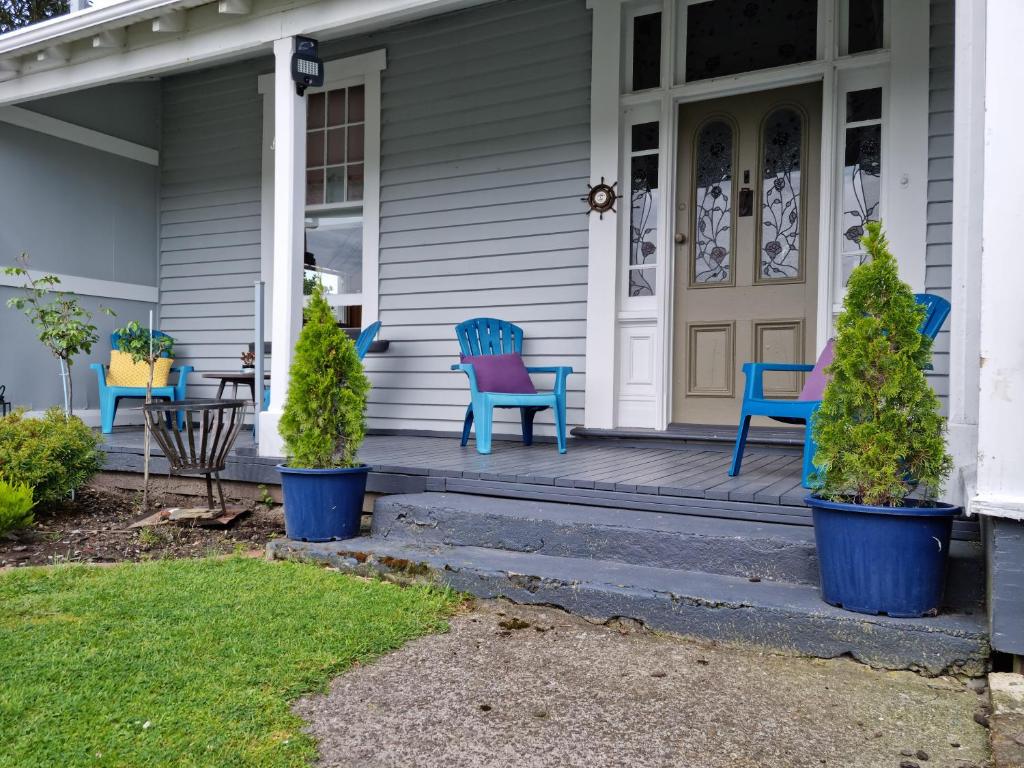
(802, 411)
(488, 336)
(109, 396)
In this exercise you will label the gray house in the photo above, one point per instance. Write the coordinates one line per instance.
(155, 155)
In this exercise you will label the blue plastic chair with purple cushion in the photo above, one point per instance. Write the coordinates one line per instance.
(802, 410)
(491, 358)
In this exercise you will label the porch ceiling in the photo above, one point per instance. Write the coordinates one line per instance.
(131, 39)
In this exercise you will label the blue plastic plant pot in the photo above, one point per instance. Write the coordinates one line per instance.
(883, 560)
(322, 504)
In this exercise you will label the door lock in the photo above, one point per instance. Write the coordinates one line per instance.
(680, 238)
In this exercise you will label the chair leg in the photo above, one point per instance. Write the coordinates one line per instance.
(484, 425)
(108, 409)
(810, 448)
(741, 445)
(560, 424)
(526, 415)
(467, 425)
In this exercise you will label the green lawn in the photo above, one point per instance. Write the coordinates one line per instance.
(185, 662)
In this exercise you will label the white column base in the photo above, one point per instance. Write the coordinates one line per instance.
(962, 443)
(271, 444)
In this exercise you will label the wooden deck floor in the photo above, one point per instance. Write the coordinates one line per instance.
(688, 479)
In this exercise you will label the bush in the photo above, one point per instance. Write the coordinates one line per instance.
(878, 430)
(323, 423)
(54, 455)
(15, 506)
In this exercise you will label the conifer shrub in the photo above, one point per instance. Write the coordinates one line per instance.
(323, 423)
(879, 432)
(16, 504)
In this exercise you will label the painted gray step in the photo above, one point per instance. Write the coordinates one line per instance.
(769, 551)
(775, 615)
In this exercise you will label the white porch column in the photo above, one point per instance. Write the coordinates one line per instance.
(602, 264)
(286, 302)
(1000, 490)
(968, 198)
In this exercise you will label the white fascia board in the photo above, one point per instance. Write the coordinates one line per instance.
(88, 286)
(51, 126)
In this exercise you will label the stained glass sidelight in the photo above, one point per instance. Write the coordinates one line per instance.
(862, 171)
(643, 224)
(780, 197)
(713, 205)
(726, 37)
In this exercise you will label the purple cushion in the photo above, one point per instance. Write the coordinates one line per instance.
(500, 373)
(814, 386)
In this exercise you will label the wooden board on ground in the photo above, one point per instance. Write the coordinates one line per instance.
(208, 518)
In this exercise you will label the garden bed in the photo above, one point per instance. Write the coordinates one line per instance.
(94, 528)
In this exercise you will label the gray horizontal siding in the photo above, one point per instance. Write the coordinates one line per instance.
(484, 153)
(939, 254)
(210, 216)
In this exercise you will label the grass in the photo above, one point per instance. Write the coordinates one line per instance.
(185, 662)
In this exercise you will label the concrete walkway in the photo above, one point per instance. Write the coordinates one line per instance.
(526, 686)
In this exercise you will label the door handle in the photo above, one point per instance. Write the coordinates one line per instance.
(680, 238)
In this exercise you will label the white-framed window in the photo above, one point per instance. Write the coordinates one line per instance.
(641, 207)
(341, 184)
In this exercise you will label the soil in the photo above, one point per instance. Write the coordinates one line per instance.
(94, 529)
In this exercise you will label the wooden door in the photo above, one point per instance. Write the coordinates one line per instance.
(746, 254)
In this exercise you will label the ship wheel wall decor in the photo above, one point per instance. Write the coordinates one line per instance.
(601, 198)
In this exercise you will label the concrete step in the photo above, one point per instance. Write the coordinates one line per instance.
(774, 615)
(766, 551)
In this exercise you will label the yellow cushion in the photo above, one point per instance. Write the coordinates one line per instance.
(124, 372)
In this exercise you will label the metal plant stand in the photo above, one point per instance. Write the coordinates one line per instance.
(202, 447)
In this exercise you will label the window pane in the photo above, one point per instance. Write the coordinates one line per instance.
(355, 182)
(315, 110)
(355, 143)
(712, 203)
(780, 203)
(643, 216)
(862, 171)
(314, 149)
(645, 136)
(335, 184)
(726, 37)
(336, 245)
(641, 282)
(335, 146)
(315, 187)
(336, 107)
(864, 105)
(865, 25)
(646, 51)
(356, 104)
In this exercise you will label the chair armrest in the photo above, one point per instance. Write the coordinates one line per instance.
(101, 374)
(561, 372)
(754, 372)
(181, 386)
(467, 368)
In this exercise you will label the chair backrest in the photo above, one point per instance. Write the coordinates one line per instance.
(488, 336)
(937, 310)
(115, 340)
(366, 337)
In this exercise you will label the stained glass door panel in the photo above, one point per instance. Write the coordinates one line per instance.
(746, 271)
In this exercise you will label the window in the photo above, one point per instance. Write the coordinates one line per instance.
(861, 172)
(712, 245)
(341, 193)
(782, 147)
(863, 26)
(646, 51)
(643, 209)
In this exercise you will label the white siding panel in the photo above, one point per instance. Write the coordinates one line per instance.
(938, 256)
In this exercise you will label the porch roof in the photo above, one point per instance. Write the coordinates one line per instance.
(129, 39)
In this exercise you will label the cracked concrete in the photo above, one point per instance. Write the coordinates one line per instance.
(532, 686)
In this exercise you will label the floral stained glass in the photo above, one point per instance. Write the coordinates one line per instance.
(862, 177)
(643, 224)
(780, 202)
(713, 205)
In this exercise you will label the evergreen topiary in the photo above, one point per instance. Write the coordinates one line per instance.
(879, 432)
(323, 423)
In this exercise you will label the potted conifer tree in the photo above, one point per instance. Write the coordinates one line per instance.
(882, 537)
(323, 425)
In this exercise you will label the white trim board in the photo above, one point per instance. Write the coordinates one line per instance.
(88, 286)
(60, 129)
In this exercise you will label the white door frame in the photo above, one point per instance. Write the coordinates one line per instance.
(904, 179)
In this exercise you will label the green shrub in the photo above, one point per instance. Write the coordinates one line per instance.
(323, 423)
(54, 455)
(878, 430)
(16, 504)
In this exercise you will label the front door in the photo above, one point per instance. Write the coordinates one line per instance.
(746, 254)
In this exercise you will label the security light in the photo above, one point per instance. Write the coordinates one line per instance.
(307, 69)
